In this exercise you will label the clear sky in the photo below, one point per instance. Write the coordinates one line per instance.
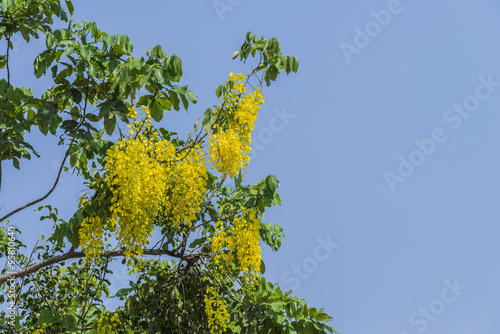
(386, 144)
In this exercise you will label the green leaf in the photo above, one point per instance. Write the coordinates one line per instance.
(280, 317)
(3, 61)
(69, 322)
(63, 15)
(145, 100)
(77, 95)
(69, 49)
(174, 99)
(271, 74)
(290, 64)
(196, 124)
(70, 7)
(119, 109)
(158, 52)
(164, 103)
(206, 123)
(156, 111)
(261, 286)
(324, 317)
(197, 242)
(174, 68)
(272, 182)
(309, 329)
(262, 267)
(185, 102)
(122, 293)
(180, 90)
(212, 180)
(45, 317)
(113, 65)
(15, 162)
(109, 123)
(54, 124)
(122, 45)
(277, 306)
(218, 90)
(104, 110)
(192, 96)
(7, 5)
(276, 199)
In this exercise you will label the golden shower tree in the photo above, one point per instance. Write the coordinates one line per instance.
(202, 271)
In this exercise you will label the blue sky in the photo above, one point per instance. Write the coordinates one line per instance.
(416, 103)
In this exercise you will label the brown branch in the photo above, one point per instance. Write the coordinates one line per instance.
(197, 139)
(71, 254)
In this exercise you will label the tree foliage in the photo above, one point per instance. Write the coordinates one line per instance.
(204, 274)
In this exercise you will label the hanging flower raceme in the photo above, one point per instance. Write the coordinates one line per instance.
(188, 180)
(139, 183)
(216, 311)
(229, 145)
(146, 176)
(240, 242)
(91, 236)
(247, 237)
(226, 152)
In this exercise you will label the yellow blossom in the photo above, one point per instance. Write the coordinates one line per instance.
(229, 146)
(145, 176)
(107, 325)
(216, 310)
(241, 241)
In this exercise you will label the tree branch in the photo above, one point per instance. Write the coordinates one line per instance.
(71, 254)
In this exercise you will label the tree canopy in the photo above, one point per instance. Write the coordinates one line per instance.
(202, 271)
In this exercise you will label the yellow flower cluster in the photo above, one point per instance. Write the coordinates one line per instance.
(216, 310)
(226, 152)
(188, 178)
(106, 325)
(230, 145)
(223, 245)
(91, 236)
(146, 176)
(139, 183)
(248, 252)
(243, 241)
